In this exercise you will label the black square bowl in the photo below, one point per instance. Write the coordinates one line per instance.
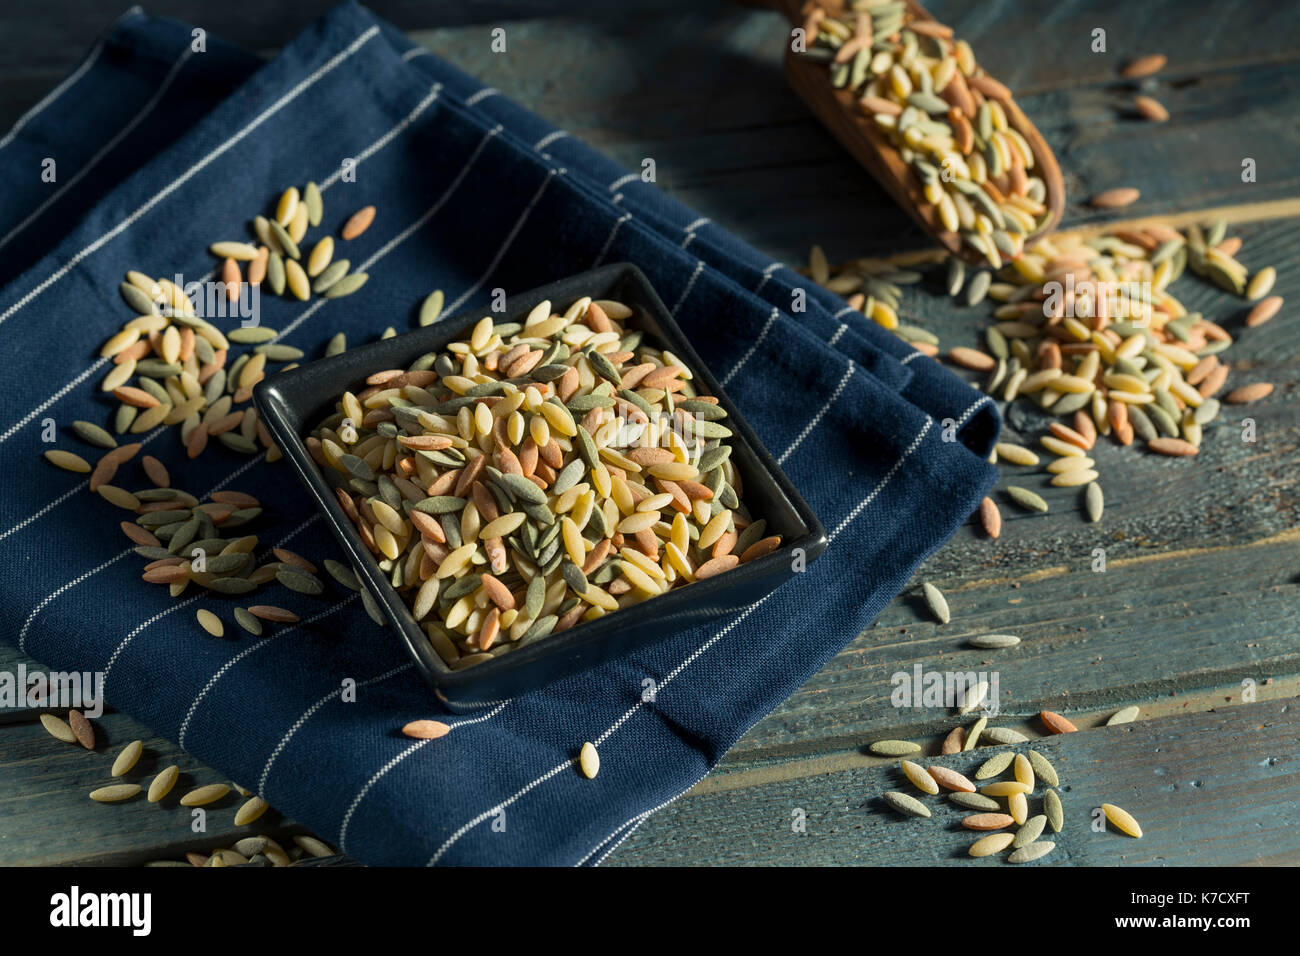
(293, 402)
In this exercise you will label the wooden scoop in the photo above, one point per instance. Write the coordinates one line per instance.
(840, 112)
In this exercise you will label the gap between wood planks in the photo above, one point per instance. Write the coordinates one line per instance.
(1233, 215)
(176, 850)
(1282, 537)
(1198, 702)
(1173, 74)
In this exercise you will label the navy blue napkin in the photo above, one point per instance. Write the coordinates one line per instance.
(160, 152)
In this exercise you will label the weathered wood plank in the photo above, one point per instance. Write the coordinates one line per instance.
(54, 35)
(1040, 44)
(749, 155)
(58, 32)
(1144, 628)
(1220, 788)
(743, 769)
(47, 817)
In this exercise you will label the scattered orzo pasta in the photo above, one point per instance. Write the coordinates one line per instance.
(1087, 326)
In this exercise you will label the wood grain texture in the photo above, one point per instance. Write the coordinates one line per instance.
(53, 36)
(749, 154)
(1202, 579)
(47, 817)
(1214, 789)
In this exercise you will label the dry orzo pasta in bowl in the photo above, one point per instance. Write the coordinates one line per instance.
(528, 493)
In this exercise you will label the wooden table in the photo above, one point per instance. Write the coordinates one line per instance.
(1195, 616)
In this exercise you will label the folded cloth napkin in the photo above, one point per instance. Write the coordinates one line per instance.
(162, 151)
